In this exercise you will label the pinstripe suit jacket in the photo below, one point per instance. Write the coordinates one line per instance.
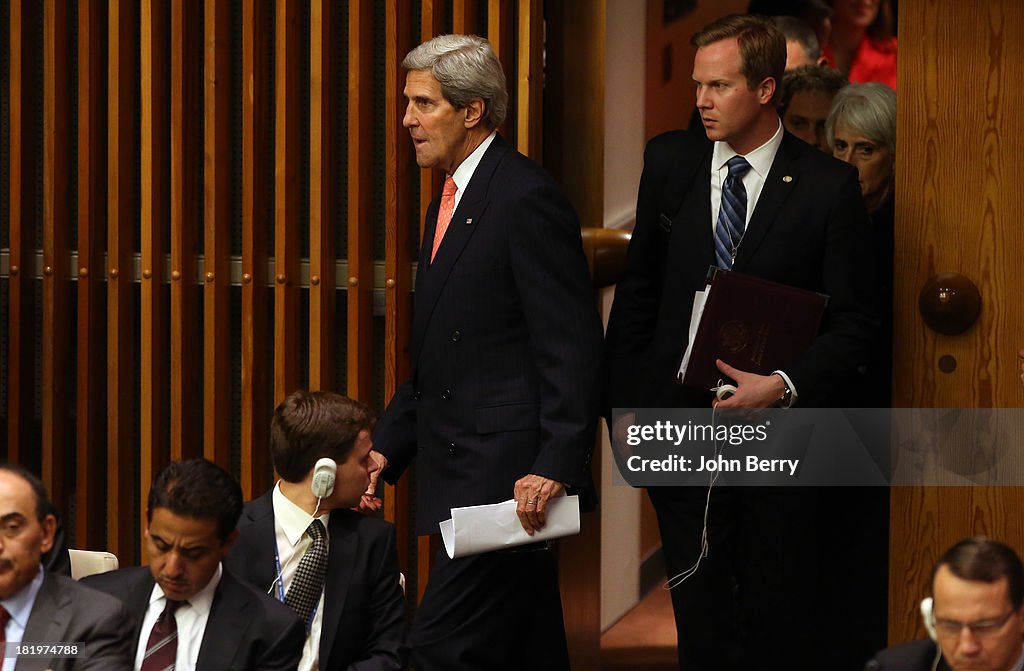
(505, 347)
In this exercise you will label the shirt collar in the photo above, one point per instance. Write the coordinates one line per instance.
(201, 601)
(760, 159)
(293, 520)
(466, 169)
(20, 605)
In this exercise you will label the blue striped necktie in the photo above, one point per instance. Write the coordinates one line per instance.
(732, 216)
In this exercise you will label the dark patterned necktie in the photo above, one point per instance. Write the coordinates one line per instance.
(732, 217)
(308, 581)
(162, 647)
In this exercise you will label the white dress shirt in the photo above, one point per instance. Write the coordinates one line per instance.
(290, 524)
(760, 161)
(191, 618)
(465, 171)
(20, 607)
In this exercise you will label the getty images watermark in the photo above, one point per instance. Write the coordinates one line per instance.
(812, 447)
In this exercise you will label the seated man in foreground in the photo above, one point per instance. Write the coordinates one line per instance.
(189, 612)
(336, 568)
(974, 614)
(40, 607)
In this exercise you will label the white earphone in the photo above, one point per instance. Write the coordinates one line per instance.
(324, 473)
(724, 391)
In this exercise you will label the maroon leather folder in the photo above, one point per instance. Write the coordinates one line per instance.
(751, 324)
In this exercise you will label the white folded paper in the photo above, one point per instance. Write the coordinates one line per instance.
(477, 529)
(699, 299)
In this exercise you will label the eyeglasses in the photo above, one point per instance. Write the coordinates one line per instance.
(978, 628)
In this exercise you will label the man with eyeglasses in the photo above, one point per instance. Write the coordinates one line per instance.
(975, 614)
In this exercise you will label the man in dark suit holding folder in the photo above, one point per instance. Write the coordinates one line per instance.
(505, 351)
(758, 201)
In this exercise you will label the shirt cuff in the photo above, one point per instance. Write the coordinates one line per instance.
(789, 385)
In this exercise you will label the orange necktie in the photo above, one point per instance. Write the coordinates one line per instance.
(444, 213)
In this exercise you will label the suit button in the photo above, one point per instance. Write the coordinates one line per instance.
(451, 448)
(456, 336)
(446, 395)
(417, 395)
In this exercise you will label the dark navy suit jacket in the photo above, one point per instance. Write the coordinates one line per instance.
(505, 347)
(914, 656)
(364, 608)
(246, 630)
(809, 229)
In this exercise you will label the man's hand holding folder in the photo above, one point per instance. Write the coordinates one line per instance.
(745, 329)
(752, 390)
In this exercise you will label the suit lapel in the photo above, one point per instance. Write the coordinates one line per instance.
(691, 248)
(465, 220)
(137, 600)
(261, 542)
(340, 557)
(779, 183)
(225, 628)
(51, 615)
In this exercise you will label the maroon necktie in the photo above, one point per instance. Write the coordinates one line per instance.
(5, 617)
(162, 647)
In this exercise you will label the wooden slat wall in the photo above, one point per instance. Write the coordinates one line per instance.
(92, 168)
(186, 155)
(217, 226)
(464, 16)
(257, 190)
(56, 388)
(162, 210)
(530, 81)
(186, 368)
(360, 199)
(286, 197)
(501, 34)
(155, 194)
(323, 199)
(122, 397)
(22, 211)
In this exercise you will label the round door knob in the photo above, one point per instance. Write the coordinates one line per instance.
(949, 303)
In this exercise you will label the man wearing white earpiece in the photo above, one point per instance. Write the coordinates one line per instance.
(302, 543)
(975, 616)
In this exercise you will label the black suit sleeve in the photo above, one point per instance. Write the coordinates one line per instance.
(386, 613)
(284, 653)
(395, 434)
(564, 329)
(633, 318)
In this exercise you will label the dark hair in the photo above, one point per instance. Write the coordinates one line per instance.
(43, 505)
(799, 31)
(310, 425)
(762, 46)
(881, 29)
(199, 489)
(984, 560)
(809, 78)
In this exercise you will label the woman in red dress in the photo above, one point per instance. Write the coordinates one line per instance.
(862, 44)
